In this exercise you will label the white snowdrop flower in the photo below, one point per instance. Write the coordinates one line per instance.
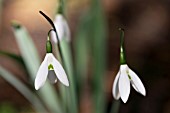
(121, 85)
(61, 27)
(125, 77)
(50, 68)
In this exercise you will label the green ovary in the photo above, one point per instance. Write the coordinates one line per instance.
(50, 67)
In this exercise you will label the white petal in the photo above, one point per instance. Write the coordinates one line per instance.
(58, 22)
(41, 74)
(52, 76)
(115, 88)
(124, 84)
(60, 72)
(53, 36)
(67, 31)
(137, 83)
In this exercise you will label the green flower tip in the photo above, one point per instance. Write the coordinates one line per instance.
(15, 24)
(61, 7)
(48, 46)
(60, 11)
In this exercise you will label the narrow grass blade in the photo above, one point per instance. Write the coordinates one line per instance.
(32, 61)
(62, 88)
(13, 56)
(27, 48)
(67, 58)
(98, 43)
(23, 89)
(81, 53)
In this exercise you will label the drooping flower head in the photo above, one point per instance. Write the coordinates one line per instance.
(50, 67)
(125, 77)
(61, 24)
(62, 28)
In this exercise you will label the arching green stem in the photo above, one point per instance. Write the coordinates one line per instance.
(122, 52)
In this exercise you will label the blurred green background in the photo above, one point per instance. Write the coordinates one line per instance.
(95, 43)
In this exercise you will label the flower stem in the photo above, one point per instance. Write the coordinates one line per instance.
(115, 107)
(122, 53)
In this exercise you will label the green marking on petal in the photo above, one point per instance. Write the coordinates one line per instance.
(128, 75)
(50, 67)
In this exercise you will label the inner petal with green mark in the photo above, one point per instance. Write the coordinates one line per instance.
(50, 67)
(127, 71)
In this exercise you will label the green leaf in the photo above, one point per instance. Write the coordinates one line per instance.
(23, 89)
(32, 60)
(27, 49)
(81, 48)
(13, 56)
(69, 96)
(98, 44)
(67, 58)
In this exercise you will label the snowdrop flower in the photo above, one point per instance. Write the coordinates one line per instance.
(50, 68)
(61, 24)
(125, 77)
(121, 85)
(61, 27)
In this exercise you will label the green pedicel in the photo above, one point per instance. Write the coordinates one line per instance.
(48, 47)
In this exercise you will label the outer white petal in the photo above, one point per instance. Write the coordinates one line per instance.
(115, 88)
(61, 27)
(137, 83)
(60, 71)
(41, 74)
(59, 24)
(53, 36)
(124, 84)
(52, 76)
(66, 31)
